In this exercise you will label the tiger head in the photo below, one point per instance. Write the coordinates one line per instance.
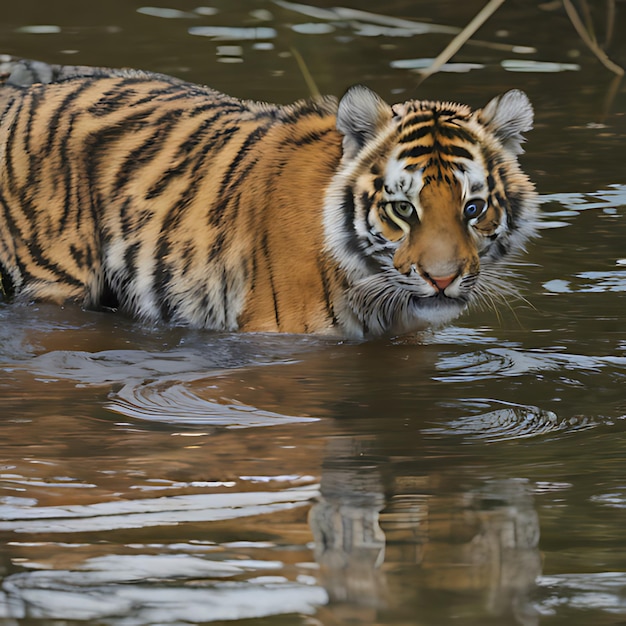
(428, 200)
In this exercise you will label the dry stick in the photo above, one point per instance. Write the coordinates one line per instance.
(592, 45)
(584, 7)
(455, 45)
(610, 22)
(308, 79)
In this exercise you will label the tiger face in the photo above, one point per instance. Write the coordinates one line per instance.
(432, 199)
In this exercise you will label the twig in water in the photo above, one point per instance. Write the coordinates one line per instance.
(610, 22)
(589, 41)
(455, 45)
(308, 79)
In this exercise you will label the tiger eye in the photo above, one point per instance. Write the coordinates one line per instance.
(402, 208)
(474, 208)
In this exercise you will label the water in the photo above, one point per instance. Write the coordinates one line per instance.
(474, 475)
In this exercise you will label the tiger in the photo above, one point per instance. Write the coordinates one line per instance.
(173, 203)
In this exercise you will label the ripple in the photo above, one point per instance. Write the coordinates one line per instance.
(166, 13)
(612, 196)
(590, 282)
(39, 29)
(572, 203)
(510, 422)
(104, 367)
(527, 65)
(313, 28)
(614, 500)
(602, 591)
(238, 33)
(499, 362)
(150, 512)
(110, 366)
(99, 590)
(173, 402)
(425, 63)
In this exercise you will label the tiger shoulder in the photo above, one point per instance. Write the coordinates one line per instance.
(175, 203)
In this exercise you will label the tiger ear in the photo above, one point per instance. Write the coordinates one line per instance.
(508, 116)
(362, 113)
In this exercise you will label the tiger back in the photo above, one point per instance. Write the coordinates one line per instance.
(176, 203)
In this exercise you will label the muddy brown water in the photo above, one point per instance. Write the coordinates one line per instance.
(474, 475)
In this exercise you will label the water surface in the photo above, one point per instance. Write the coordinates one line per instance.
(473, 475)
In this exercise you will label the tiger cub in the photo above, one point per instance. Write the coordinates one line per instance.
(173, 202)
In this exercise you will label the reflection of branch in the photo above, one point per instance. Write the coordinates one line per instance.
(610, 96)
(455, 45)
(591, 43)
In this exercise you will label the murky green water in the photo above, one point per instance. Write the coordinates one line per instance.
(471, 476)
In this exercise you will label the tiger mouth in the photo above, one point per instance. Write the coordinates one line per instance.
(440, 299)
(381, 303)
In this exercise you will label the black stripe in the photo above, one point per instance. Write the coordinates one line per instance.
(330, 309)
(185, 147)
(348, 211)
(180, 94)
(33, 168)
(415, 152)
(217, 247)
(366, 201)
(456, 151)
(10, 148)
(197, 165)
(513, 209)
(187, 256)
(266, 253)
(294, 114)
(504, 175)
(163, 273)
(7, 288)
(120, 129)
(229, 180)
(149, 149)
(59, 112)
(454, 132)
(308, 138)
(130, 259)
(195, 138)
(224, 292)
(351, 239)
(40, 259)
(443, 112)
(34, 103)
(417, 118)
(78, 255)
(9, 222)
(165, 92)
(113, 100)
(228, 106)
(70, 188)
(416, 134)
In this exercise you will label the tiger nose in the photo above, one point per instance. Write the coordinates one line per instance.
(441, 282)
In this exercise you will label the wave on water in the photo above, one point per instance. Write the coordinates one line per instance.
(505, 362)
(174, 402)
(510, 422)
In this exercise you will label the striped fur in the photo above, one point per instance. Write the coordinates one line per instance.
(176, 203)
